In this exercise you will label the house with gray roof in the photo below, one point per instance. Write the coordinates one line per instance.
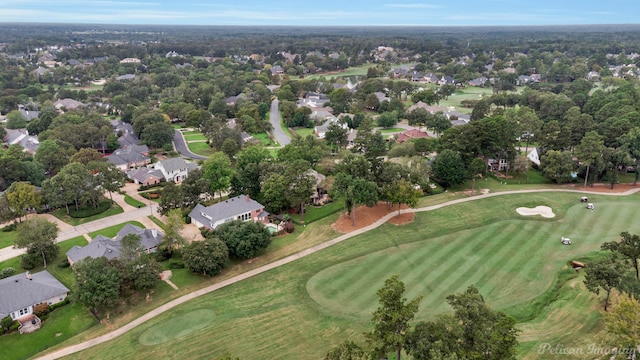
(237, 208)
(20, 293)
(129, 157)
(67, 104)
(21, 137)
(27, 114)
(110, 248)
(145, 176)
(175, 169)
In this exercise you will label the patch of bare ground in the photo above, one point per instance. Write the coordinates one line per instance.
(366, 216)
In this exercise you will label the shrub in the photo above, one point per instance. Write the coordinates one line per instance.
(5, 323)
(14, 326)
(161, 255)
(6, 272)
(27, 261)
(41, 310)
(176, 264)
(10, 227)
(59, 304)
(64, 263)
(89, 210)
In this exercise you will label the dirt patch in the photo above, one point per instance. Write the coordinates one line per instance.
(541, 210)
(366, 216)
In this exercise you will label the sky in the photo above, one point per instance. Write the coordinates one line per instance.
(324, 12)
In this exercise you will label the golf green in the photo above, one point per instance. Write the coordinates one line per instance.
(510, 262)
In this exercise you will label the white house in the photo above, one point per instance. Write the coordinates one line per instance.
(175, 169)
(534, 156)
(237, 208)
(20, 293)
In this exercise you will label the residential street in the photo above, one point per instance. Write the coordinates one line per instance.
(274, 117)
(181, 147)
(155, 312)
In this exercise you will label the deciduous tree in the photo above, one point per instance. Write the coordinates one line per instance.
(391, 319)
(217, 169)
(603, 274)
(97, 284)
(38, 236)
(245, 239)
(206, 257)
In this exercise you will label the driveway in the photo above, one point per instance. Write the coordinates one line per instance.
(181, 147)
(163, 308)
(274, 117)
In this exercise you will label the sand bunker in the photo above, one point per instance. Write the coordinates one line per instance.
(543, 211)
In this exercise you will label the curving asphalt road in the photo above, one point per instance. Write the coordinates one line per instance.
(181, 147)
(157, 311)
(274, 118)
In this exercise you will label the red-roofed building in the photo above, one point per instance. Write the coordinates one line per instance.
(410, 134)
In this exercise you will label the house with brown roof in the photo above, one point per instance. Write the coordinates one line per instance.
(410, 134)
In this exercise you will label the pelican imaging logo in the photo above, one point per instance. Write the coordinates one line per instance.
(590, 349)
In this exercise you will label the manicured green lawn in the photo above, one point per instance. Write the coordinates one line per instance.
(302, 309)
(195, 136)
(62, 324)
(62, 215)
(391, 130)
(200, 148)
(304, 132)
(7, 238)
(264, 138)
(314, 213)
(156, 221)
(352, 71)
(133, 202)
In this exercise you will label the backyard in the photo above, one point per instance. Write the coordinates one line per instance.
(517, 263)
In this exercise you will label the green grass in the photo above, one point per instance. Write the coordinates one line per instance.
(7, 238)
(112, 231)
(264, 139)
(284, 127)
(62, 215)
(391, 130)
(304, 132)
(133, 202)
(195, 137)
(200, 148)
(62, 324)
(181, 325)
(313, 213)
(327, 297)
(156, 221)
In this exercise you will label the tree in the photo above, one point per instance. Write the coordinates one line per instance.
(388, 119)
(623, 326)
(157, 134)
(174, 224)
(38, 236)
(301, 184)
(107, 176)
(614, 160)
(15, 120)
(245, 239)
(480, 110)
(448, 168)
(54, 154)
(336, 136)
(476, 169)
(604, 274)
(355, 191)
(438, 122)
(589, 151)
(348, 350)
(368, 142)
(403, 192)
(391, 319)
(631, 141)
(22, 196)
(475, 331)
(557, 166)
(629, 247)
(84, 156)
(217, 169)
(206, 257)
(97, 284)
